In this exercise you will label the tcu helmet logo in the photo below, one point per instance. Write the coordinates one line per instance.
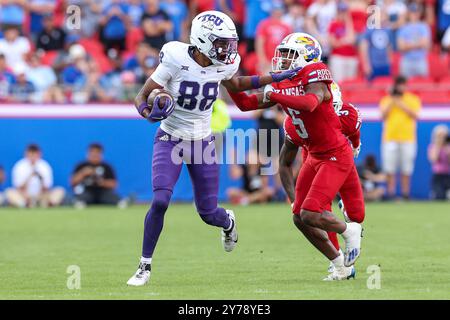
(210, 19)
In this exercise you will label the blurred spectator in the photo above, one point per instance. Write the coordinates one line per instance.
(44, 81)
(74, 75)
(359, 13)
(372, 179)
(2, 182)
(439, 156)
(13, 12)
(135, 12)
(376, 50)
(114, 24)
(22, 89)
(344, 55)
(178, 13)
(94, 180)
(319, 16)
(111, 82)
(443, 16)
(295, 17)
(156, 24)
(6, 78)
(32, 180)
(93, 89)
(255, 188)
(51, 37)
(63, 57)
(413, 42)
(446, 40)
(143, 62)
(399, 111)
(256, 11)
(235, 9)
(269, 34)
(396, 10)
(14, 47)
(38, 9)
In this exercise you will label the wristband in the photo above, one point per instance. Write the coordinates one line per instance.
(255, 82)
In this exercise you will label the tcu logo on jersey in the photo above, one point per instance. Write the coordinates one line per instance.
(211, 18)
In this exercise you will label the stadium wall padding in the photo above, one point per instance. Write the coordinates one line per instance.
(128, 147)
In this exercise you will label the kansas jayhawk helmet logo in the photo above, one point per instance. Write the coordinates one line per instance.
(301, 49)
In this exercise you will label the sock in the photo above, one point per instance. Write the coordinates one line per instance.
(154, 221)
(338, 262)
(230, 227)
(146, 260)
(332, 236)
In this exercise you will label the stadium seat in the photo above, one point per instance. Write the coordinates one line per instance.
(95, 49)
(49, 57)
(434, 96)
(368, 95)
(395, 63)
(421, 83)
(438, 65)
(134, 37)
(355, 83)
(383, 82)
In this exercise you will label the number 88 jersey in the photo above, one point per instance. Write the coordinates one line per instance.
(194, 88)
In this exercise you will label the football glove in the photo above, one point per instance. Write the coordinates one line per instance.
(356, 151)
(268, 88)
(160, 113)
(288, 74)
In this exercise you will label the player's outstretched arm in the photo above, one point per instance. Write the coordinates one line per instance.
(249, 102)
(315, 94)
(287, 156)
(140, 102)
(242, 83)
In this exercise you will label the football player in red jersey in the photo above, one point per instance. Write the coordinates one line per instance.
(350, 119)
(307, 99)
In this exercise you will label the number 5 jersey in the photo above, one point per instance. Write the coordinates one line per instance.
(319, 129)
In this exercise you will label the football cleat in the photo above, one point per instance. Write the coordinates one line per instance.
(230, 237)
(142, 275)
(343, 273)
(352, 236)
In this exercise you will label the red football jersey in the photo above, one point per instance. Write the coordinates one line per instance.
(349, 116)
(320, 130)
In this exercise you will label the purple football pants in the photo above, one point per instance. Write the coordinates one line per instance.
(168, 157)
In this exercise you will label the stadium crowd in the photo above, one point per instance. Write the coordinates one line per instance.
(49, 54)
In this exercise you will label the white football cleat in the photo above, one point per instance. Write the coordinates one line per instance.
(342, 273)
(230, 238)
(142, 275)
(352, 236)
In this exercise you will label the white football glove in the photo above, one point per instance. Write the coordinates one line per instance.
(356, 151)
(268, 88)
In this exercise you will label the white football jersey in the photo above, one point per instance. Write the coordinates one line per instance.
(194, 88)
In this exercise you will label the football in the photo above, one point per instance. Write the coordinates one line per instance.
(163, 95)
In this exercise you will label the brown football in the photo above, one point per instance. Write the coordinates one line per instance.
(163, 95)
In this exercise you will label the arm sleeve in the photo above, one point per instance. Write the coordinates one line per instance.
(308, 102)
(243, 101)
(355, 139)
(47, 175)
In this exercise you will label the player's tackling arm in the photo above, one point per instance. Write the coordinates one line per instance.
(249, 102)
(315, 94)
(140, 102)
(287, 156)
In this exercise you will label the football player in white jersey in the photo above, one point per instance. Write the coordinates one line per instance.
(191, 73)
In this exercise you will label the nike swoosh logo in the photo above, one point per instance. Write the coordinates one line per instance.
(219, 71)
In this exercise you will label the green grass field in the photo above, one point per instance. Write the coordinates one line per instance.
(410, 242)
